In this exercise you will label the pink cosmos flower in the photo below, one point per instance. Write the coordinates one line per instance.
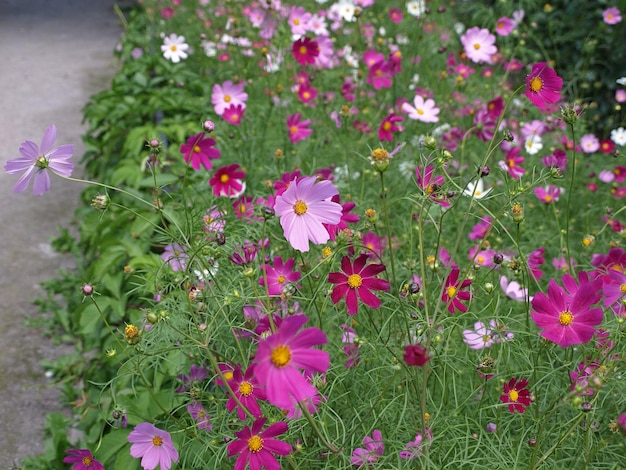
(481, 228)
(453, 292)
(478, 338)
(233, 114)
(536, 259)
(611, 15)
(516, 394)
(298, 20)
(513, 163)
(581, 378)
(548, 194)
(37, 160)
(413, 450)
(153, 445)
(298, 130)
(431, 185)
(589, 143)
(199, 414)
(479, 44)
(423, 110)
(346, 217)
(303, 209)
(513, 289)
(307, 93)
(256, 447)
(558, 159)
(373, 449)
(228, 181)
(388, 126)
(199, 150)
(566, 317)
(279, 357)
(380, 75)
(175, 256)
(228, 94)
(485, 125)
(416, 355)
(505, 26)
(357, 281)
(279, 275)
(82, 460)
(543, 86)
(246, 388)
(305, 50)
(395, 15)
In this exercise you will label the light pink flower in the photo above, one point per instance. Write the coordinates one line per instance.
(373, 449)
(153, 445)
(611, 15)
(589, 143)
(422, 110)
(479, 44)
(505, 26)
(303, 209)
(228, 94)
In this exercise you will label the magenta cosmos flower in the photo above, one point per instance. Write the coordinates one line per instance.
(416, 355)
(257, 447)
(566, 317)
(228, 181)
(479, 44)
(543, 85)
(228, 94)
(297, 129)
(431, 185)
(388, 127)
(199, 150)
(373, 448)
(357, 281)
(246, 388)
(37, 160)
(153, 445)
(516, 395)
(82, 460)
(280, 357)
(305, 50)
(422, 110)
(279, 275)
(454, 293)
(303, 209)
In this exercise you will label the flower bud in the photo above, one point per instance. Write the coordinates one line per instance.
(569, 115)
(517, 212)
(588, 240)
(491, 427)
(100, 202)
(483, 171)
(132, 334)
(154, 143)
(380, 159)
(371, 216)
(87, 289)
(430, 142)
(498, 258)
(208, 126)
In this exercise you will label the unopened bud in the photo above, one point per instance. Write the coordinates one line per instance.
(154, 143)
(100, 202)
(483, 171)
(208, 126)
(430, 142)
(87, 289)
(517, 212)
(569, 115)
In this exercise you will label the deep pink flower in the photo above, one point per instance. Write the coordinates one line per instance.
(234, 114)
(388, 126)
(298, 130)
(153, 445)
(431, 185)
(536, 259)
(37, 160)
(485, 125)
(395, 15)
(303, 209)
(82, 460)
(199, 414)
(558, 159)
(256, 447)
(380, 75)
(621, 423)
(481, 228)
(566, 318)
(416, 355)
(543, 85)
(479, 44)
(413, 450)
(373, 449)
(200, 150)
(495, 107)
(505, 26)
(357, 281)
(513, 163)
(279, 275)
(228, 181)
(305, 50)
(346, 217)
(307, 93)
(453, 292)
(228, 94)
(281, 355)
(516, 395)
(247, 389)
(581, 378)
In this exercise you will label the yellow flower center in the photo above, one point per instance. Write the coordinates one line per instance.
(513, 395)
(566, 318)
(476, 46)
(157, 441)
(326, 252)
(87, 461)
(255, 444)
(486, 338)
(224, 178)
(355, 281)
(548, 198)
(622, 288)
(227, 98)
(300, 207)
(420, 112)
(536, 84)
(306, 95)
(281, 356)
(302, 50)
(281, 279)
(430, 259)
(380, 155)
(293, 129)
(451, 291)
(196, 149)
(173, 47)
(228, 375)
(386, 126)
(296, 21)
(246, 388)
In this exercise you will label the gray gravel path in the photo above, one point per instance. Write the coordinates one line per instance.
(55, 54)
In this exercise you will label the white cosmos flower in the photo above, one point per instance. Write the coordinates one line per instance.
(416, 7)
(476, 190)
(619, 136)
(533, 144)
(174, 48)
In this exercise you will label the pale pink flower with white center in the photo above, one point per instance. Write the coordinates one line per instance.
(227, 95)
(299, 20)
(174, 48)
(423, 110)
(611, 15)
(479, 44)
(514, 290)
(589, 143)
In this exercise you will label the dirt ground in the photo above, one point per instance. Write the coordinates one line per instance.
(55, 54)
